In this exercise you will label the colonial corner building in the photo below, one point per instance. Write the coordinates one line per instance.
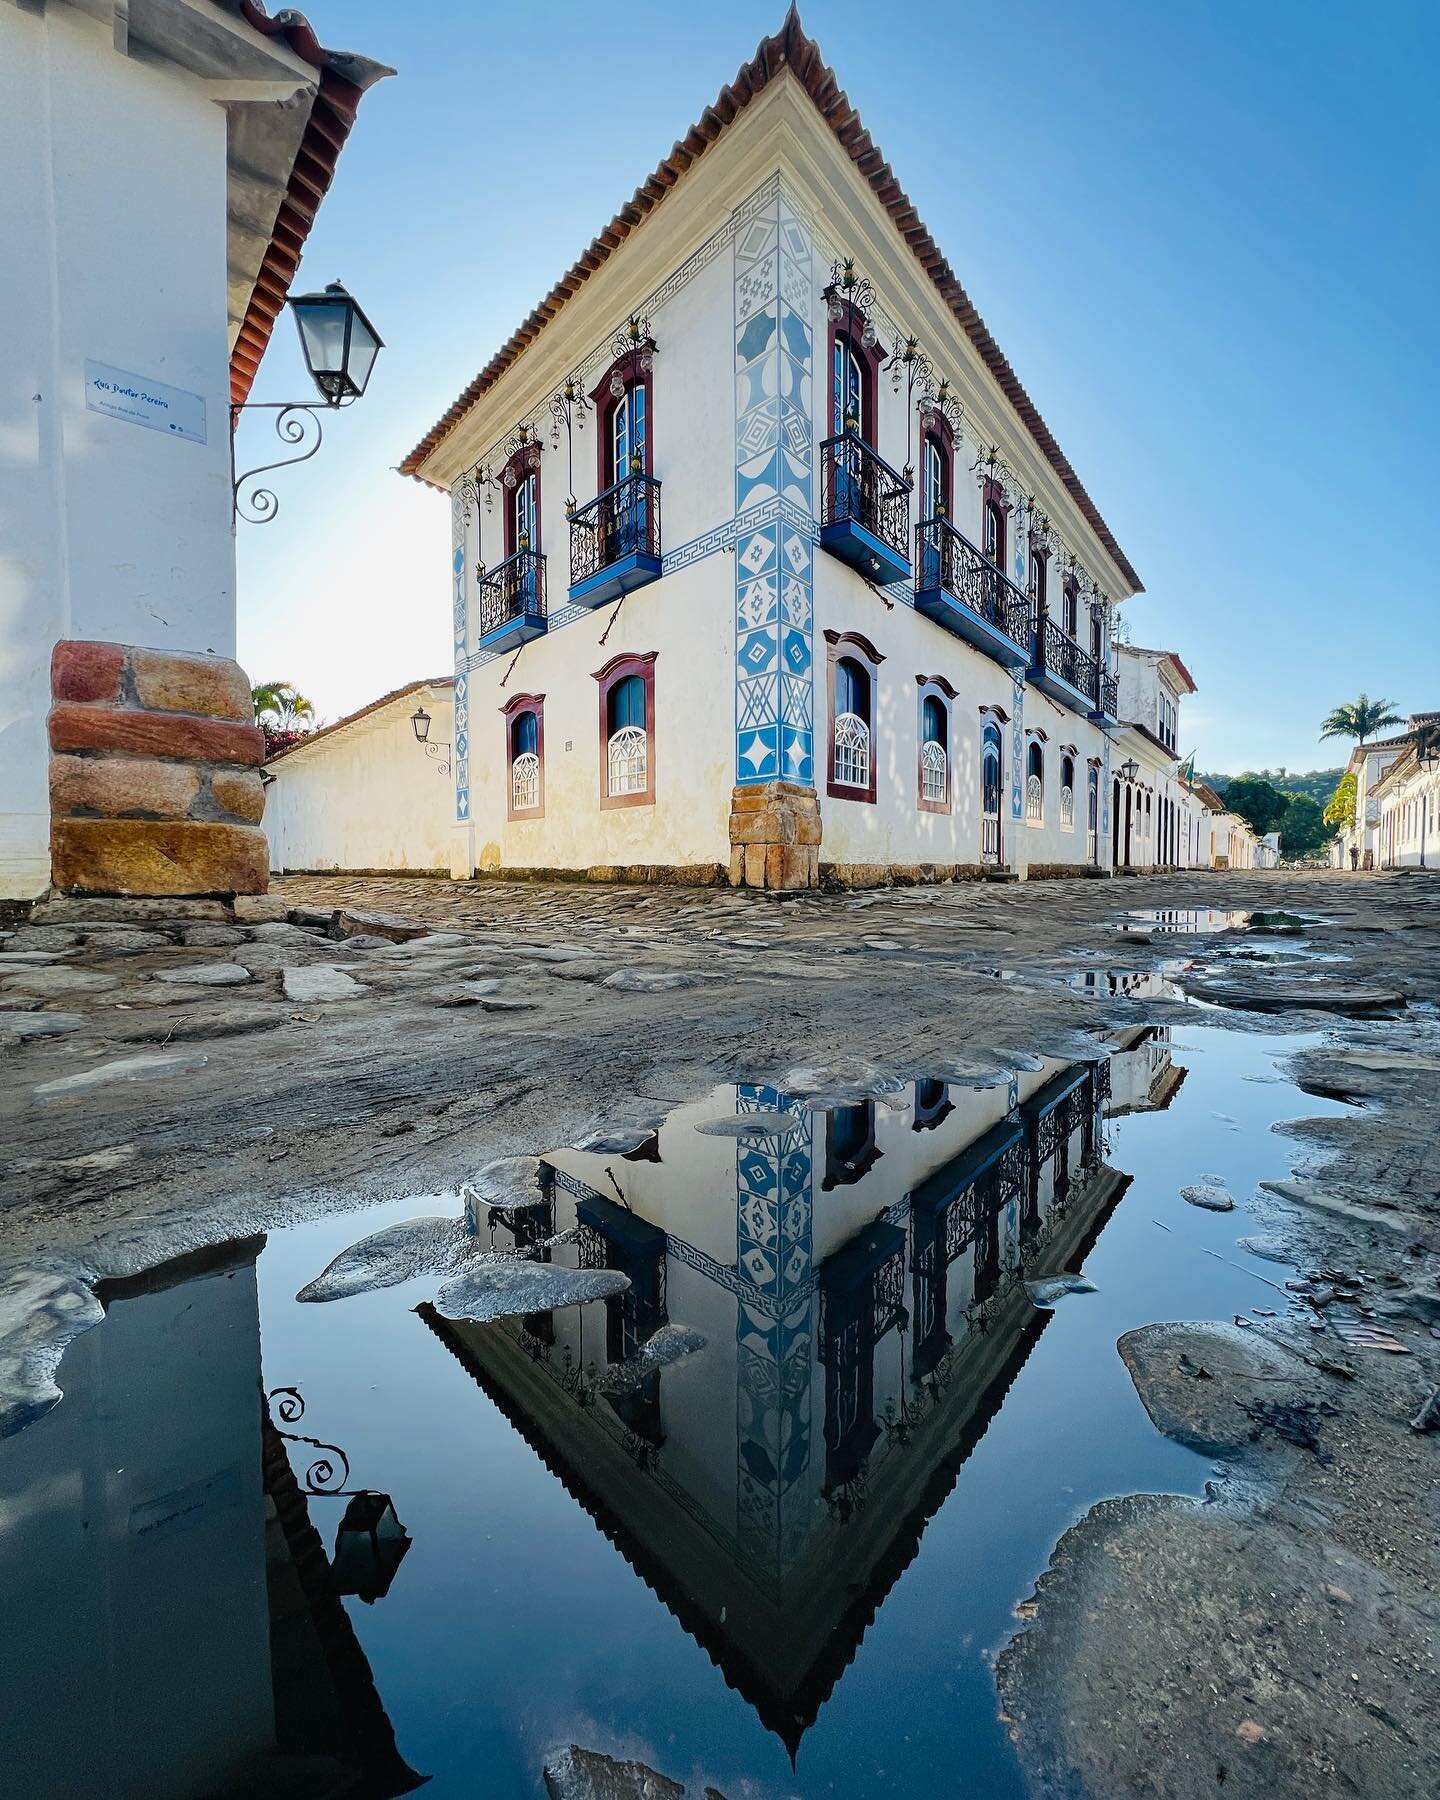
(766, 568)
(164, 161)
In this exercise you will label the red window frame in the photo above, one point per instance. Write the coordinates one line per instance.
(1070, 592)
(839, 645)
(870, 357)
(518, 463)
(940, 434)
(993, 495)
(605, 403)
(640, 663)
(511, 711)
(935, 687)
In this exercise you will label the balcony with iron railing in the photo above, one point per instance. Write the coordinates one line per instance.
(864, 510)
(512, 602)
(958, 587)
(1060, 668)
(615, 542)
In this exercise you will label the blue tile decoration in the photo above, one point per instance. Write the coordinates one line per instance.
(774, 532)
(1017, 751)
(774, 1258)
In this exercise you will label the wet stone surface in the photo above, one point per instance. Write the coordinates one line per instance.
(717, 1356)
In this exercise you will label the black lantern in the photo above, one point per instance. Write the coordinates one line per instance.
(1129, 769)
(369, 1547)
(420, 724)
(339, 342)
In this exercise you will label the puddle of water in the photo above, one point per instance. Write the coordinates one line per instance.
(805, 1535)
(1127, 984)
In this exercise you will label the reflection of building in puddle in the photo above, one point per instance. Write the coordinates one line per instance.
(171, 1624)
(1126, 984)
(856, 1276)
(1144, 1076)
(1185, 919)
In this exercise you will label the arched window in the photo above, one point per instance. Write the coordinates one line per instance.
(525, 756)
(627, 741)
(854, 669)
(934, 477)
(852, 724)
(934, 753)
(1067, 793)
(1072, 608)
(1035, 784)
(627, 730)
(990, 788)
(994, 518)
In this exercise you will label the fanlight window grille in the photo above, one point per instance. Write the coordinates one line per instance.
(1034, 800)
(852, 751)
(932, 771)
(525, 781)
(1067, 809)
(628, 754)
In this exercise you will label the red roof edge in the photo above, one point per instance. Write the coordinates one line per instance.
(790, 49)
(332, 114)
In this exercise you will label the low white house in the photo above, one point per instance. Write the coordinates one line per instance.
(365, 796)
(1360, 845)
(1408, 800)
(1148, 817)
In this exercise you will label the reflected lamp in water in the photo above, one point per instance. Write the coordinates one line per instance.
(369, 1547)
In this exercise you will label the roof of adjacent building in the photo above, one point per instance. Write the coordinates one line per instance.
(294, 147)
(1172, 658)
(401, 693)
(1207, 796)
(789, 51)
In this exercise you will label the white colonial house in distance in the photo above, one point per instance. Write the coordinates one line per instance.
(370, 794)
(1407, 799)
(1152, 822)
(1363, 844)
(869, 631)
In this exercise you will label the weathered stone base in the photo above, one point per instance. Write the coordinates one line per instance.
(775, 831)
(1064, 872)
(154, 774)
(840, 877)
(623, 874)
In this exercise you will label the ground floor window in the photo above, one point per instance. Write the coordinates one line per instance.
(627, 730)
(525, 756)
(1067, 792)
(853, 679)
(1034, 784)
(934, 743)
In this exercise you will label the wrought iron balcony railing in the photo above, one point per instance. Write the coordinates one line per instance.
(622, 522)
(1059, 655)
(513, 590)
(860, 488)
(1109, 700)
(945, 558)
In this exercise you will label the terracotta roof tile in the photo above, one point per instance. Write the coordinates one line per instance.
(789, 50)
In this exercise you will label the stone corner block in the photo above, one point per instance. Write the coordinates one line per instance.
(215, 687)
(775, 835)
(83, 670)
(136, 857)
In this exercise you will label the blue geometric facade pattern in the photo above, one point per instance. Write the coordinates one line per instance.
(773, 1328)
(774, 514)
(1017, 752)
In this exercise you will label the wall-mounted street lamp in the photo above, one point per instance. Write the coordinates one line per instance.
(438, 752)
(1129, 769)
(339, 345)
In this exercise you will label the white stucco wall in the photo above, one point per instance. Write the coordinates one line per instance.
(112, 217)
(365, 795)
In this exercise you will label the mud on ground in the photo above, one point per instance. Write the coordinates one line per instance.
(1280, 1636)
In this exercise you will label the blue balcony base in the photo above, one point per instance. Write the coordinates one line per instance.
(623, 576)
(1059, 689)
(955, 616)
(873, 558)
(513, 632)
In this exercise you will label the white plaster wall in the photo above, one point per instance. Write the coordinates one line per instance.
(112, 218)
(687, 619)
(365, 796)
(1409, 832)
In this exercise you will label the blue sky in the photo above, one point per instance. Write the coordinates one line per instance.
(1240, 356)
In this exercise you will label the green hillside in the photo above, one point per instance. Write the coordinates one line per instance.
(1317, 784)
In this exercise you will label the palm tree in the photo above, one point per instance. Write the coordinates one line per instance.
(1360, 719)
(280, 706)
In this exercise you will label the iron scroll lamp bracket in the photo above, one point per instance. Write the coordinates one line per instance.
(437, 751)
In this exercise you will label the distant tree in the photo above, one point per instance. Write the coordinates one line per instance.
(1257, 801)
(281, 706)
(1302, 830)
(1339, 814)
(1360, 719)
